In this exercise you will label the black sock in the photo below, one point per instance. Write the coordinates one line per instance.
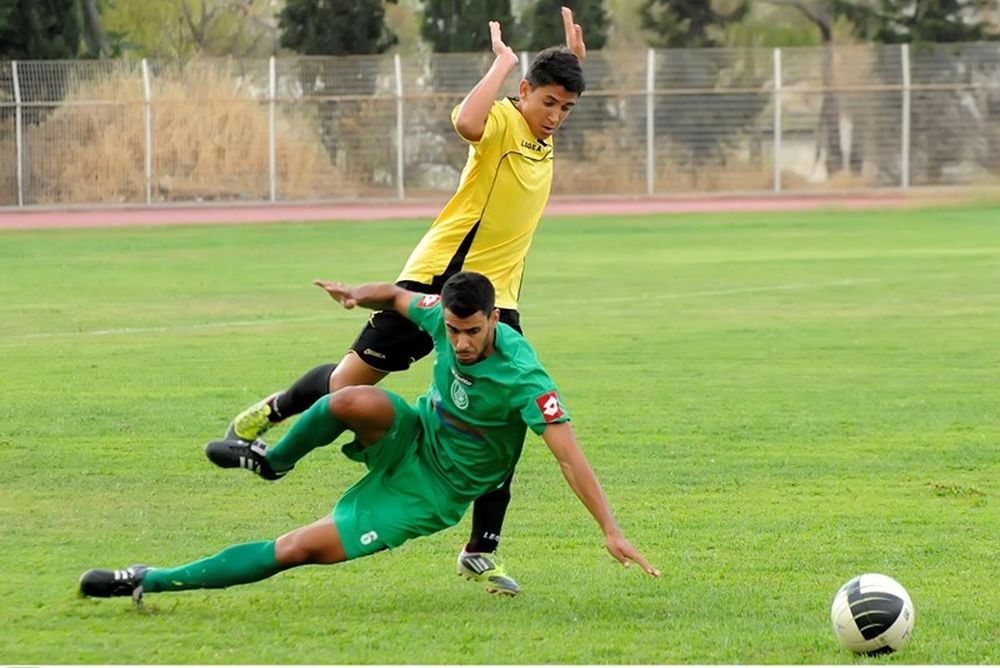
(303, 393)
(487, 518)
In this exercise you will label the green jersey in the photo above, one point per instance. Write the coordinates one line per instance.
(475, 416)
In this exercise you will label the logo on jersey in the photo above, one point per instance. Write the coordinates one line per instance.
(458, 395)
(428, 301)
(548, 404)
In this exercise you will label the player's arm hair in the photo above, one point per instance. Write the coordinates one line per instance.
(470, 122)
(383, 297)
(576, 469)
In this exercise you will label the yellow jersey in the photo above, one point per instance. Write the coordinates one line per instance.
(488, 224)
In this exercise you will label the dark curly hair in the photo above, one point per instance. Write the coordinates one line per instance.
(557, 65)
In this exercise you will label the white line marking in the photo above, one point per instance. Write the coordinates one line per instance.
(171, 328)
(607, 300)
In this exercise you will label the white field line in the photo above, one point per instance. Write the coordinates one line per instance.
(120, 331)
(234, 324)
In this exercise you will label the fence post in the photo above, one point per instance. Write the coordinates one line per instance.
(776, 157)
(148, 108)
(904, 167)
(18, 134)
(272, 143)
(524, 64)
(400, 175)
(650, 121)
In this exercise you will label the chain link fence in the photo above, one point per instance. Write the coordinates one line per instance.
(378, 127)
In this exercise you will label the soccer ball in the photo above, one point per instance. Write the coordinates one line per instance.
(872, 614)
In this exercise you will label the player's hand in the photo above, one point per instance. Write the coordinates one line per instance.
(623, 551)
(501, 50)
(574, 35)
(339, 292)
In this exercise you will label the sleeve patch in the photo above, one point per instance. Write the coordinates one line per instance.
(427, 301)
(548, 404)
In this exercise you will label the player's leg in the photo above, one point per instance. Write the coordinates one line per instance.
(478, 560)
(255, 420)
(316, 543)
(364, 410)
(387, 343)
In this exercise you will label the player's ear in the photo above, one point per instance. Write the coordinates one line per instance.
(495, 316)
(523, 88)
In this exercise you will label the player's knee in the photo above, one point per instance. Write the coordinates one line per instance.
(299, 549)
(290, 550)
(353, 403)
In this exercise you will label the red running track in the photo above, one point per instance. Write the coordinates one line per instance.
(11, 219)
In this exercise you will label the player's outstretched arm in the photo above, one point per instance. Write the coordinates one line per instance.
(475, 108)
(375, 296)
(574, 35)
(576, 469)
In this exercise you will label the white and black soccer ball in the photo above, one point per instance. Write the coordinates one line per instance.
(872, 614)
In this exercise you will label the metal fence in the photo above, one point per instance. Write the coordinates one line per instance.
(378, 127)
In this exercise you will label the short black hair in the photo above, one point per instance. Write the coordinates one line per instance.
(558, 65)
(467, 293)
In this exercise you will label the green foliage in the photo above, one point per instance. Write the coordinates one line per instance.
(182, 29)
(774, 402)
(930, 21)
(690, 23)
(456, 26)
(546, 24)
(40, 29)
(334, 28)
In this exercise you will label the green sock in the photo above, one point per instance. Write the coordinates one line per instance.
(314, 428)
(237, 564)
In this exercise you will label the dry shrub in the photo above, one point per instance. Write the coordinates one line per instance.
(210, 142)
(607, 166)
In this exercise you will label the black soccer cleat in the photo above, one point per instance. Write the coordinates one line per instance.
(235, 453)
(105, 584)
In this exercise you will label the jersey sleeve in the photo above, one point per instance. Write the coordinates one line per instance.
(495, 123)
(539, 402)
(425, 312)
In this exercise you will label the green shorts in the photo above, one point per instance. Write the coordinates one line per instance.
(400, 497)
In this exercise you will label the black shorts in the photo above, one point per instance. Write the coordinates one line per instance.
(391, 342)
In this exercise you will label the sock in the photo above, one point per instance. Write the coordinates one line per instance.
(302, 394)
(487, 518)
(315, 428)
(235, 565)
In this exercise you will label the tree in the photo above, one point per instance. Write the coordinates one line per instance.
(182, 29)
(458, 26)
(40, 29)
(546, 25)
(335, 28)
(930, 21)
(690, 23)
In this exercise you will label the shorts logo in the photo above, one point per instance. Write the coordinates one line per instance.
(458, 395)
(548, 403)
(374, 353)
(368, 538)
(428, 301)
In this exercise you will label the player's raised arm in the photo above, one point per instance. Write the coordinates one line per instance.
(475, 108)
(574, 34)
(576, 469)
(374, 296)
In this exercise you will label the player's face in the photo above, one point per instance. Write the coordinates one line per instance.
(471, 338)
(545, 107)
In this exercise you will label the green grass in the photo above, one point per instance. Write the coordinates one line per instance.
(773, 402)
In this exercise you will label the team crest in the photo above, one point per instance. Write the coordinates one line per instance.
(428, 301)
(548, 404)
(459, 395)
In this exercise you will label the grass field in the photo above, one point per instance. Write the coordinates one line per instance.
(773, 402)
